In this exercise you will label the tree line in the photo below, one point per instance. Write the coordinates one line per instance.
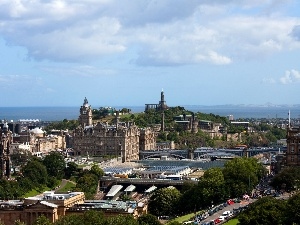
(93, 217)
(39, 174)
(238, 177)
(272, 211)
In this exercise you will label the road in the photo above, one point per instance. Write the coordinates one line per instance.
(237, 205)
(228, 208)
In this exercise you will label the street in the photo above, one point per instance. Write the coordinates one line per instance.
(228, 208)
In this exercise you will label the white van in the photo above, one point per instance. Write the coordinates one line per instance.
(227, 214)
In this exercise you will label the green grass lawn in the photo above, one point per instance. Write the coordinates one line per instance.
(35, 192)
(185, 217)
(232, 222)
(68, 187)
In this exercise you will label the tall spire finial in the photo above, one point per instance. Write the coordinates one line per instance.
(289, 118)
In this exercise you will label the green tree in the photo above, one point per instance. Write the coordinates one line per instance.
(148, 219)
(191, 200)
(287, 179)
(55, 164)
(42, 220)
(52, 182)
(292, 214)
(122, 220)
(88, 183)
(163, 202)
(93, 217)
(95, 169)
(265, 211)
(102, 112)
(90, 217)
(125, 110)
(70, 169)
(72, 219)
(25, 184)
(212, 186)
(279, 133)
(173, 136)
(18, 222)
(36, 172)
(62, 125)
(242, 174)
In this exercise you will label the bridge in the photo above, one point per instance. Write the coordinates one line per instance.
(204, 152)
(107, 182)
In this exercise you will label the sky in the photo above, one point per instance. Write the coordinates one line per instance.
(124, 53)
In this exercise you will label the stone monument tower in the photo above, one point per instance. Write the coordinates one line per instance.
(5, 141)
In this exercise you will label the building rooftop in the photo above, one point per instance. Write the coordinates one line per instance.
(50, 195)
(106, 205)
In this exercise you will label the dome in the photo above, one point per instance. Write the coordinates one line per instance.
(37, 130)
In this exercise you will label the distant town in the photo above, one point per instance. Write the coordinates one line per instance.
(129, 157)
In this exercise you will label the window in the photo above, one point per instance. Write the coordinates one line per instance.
(292, 149)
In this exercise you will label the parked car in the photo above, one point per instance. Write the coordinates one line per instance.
(227, 214)
(220, 207)
(236, 211)
(230, 202)
(237, 200)
(217, 221)
(222, 218)
(208, 223)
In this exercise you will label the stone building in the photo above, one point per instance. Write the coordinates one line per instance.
(51, 205)
(120, 139)
(147, 139)
(50, 143)
(292, 157)
(5, 141)
(16, 148)
(187, 122)
(103, 140)
(54, 206)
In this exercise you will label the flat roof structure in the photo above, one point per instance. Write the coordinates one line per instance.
(130, 188)
(149, 190)
(114, 190)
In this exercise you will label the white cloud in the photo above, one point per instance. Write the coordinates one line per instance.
(291, 76)
(170, 32)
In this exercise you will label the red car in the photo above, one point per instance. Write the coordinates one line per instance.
(217, 221)
(230, 202)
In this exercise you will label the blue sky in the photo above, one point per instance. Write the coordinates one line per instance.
(123, 53)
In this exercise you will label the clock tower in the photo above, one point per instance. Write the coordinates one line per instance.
(85, 118)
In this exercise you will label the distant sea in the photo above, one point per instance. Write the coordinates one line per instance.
(70, 113)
